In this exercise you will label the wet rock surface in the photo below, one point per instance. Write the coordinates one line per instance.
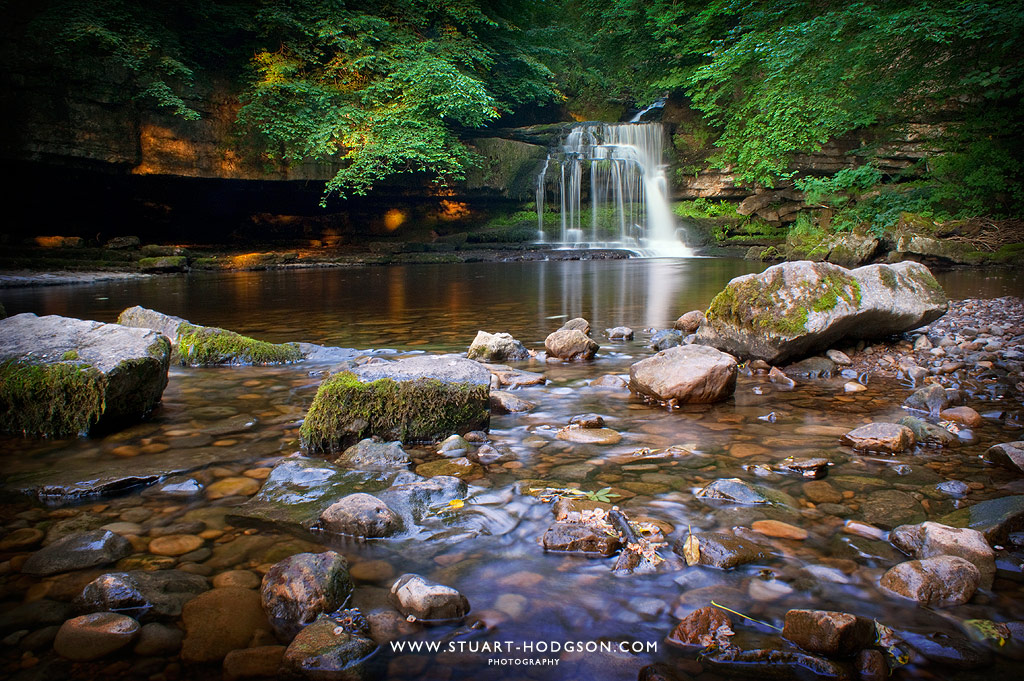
(417, 597)
(570, 345)
(944, 580)
(827, 632)
(63, 377)
(720, 550)
(360, 515)
(330, 648)
(91, 637)
(219, 621)
(78, 551)
(931, 539)
(685, 374)
(142, 594)
(496, 347)
(301, 587)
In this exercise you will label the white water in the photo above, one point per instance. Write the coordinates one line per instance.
(627, 187)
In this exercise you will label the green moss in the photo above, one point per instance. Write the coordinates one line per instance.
(836, 287)
(757, 306)
(69, 356)
(50, 400)
(207, 345)
(170, 263)
(346, 409)
(888, 278)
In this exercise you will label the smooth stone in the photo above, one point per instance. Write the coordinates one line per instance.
(175, 544)
(219, 621)
(828, 632)
(734, 490)
(21, 539)
(954, 488)
(569, 537)
(360, 515)
(142, 594)
(685, 374)
(331, 649)
(91, 637)
(496, 347)
(891, 507)
(372, 571)
(853, 387)
(946, 651)
(415, 499)
(158, 640)
(779, 377)
(839, 357)
(943, 580)
(177, 487)
(821, 492)
(930, 398)
(930, 539)
(372, 454)
(589, 436)
(668, 338)
(620, 333)
(455, 446)
(261, 662)
(570, 345)
(503, 402)
(880, 437)
(610, 381)
(242, 579)
(232, 487)
(815, 467)
(689, 322)
(461, 467)
(995, 518)
(300, 587)
(77, 552)
(733, 662)
(779, 530)
(418, 597)
(578, 324)
(700, 627)
(928, 433)
(962, 415)
(1009, 455)
(724, 551)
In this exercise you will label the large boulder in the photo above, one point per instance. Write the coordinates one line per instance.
(685, 374)
(795, 309)
(413, 400)
(62, 377)
(496, 347)
(196, 345)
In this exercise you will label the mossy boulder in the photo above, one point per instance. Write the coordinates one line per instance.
(196, 345)
(62, 377)
(796, 309)
(167, 263)
(421, 399)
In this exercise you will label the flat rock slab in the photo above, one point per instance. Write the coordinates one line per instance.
(62, 377)
(892, 438)
(299, 489)
(1009, 455)
(994, 518)
(796, 309)
(411, 400)
(101, 477)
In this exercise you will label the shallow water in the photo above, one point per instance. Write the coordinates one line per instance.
(240, 420)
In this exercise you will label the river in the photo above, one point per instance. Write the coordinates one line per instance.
(492, 553)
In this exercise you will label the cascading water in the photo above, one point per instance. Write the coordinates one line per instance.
(624, 169)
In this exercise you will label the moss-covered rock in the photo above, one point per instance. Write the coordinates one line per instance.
(418, 399)
(167, 263)
(795, 309)
(208, 345)
(196, 345)
(62, 377)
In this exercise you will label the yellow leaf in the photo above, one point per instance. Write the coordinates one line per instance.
(691, 550)
(456, 503)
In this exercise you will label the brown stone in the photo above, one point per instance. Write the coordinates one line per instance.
(828, 632)
(699, 627)
(962, 415)
(578, 538)
(570, 344)
(880, 437)
(219, 621)
(821, 492)
(261, 662)
(779, 530)
(175, 544)
(943, 580)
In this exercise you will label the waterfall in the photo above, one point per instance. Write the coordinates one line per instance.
(627, 187)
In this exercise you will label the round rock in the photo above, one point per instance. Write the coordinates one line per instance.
(91, 637)
(175, 544)
(302, 586)
(944, 580)
(685, 374)
(360, 515)
(880, 437)
(423, 599)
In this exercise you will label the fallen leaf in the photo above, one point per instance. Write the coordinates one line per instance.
(691, 550)
(456, 503)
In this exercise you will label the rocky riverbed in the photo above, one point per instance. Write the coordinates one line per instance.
(754, 503)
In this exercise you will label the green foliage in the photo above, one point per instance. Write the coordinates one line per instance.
(381, 86)
(836, 190)
(703, 208)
